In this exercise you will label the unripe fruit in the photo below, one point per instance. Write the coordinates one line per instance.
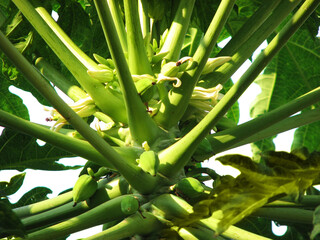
(190, 187)
(149, 162)
(129, 205)
(84, 188)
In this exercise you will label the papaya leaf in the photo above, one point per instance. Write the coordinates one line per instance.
(19, 151)
(281, 174)
(10, 102)
(307, 136)
(10, 224)
(36, 194)
(9, 188)
(316, 224)
(287, 77)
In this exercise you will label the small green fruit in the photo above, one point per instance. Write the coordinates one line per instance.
(84, 188)
(190, 187)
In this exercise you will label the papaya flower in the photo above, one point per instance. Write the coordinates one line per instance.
(84, 108)
(204, 99)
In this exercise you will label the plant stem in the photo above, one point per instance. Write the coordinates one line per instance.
(177, 155)
(44, 205)
(144, 19)
(54, 216)
(110, 102)
(139, 180)
(73, 91)
(176, 102)
(137, 55)
(178, 30)
(139, 119)
(249, 28)
(285, 215)
(135, 224)
(73, 145)
(224, 72)
(119, 25)
(106, 212)
(220, 142)
(232, 232)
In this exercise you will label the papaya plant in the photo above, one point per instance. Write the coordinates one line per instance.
(153, 78)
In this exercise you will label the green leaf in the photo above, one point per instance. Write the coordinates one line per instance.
(10, 102)
(282, 173)
(9, 188)
(19, 151)
(10, 224)
(308, 136)
(242, 11)
(289, 75)
(316, 222)
(34, 195)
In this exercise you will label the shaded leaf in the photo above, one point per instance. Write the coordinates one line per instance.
(36, 194)
(316, 223)
(282, 173)
(9, 188)
(19, 151)
(10, 224)
(292, 73)
(10, 102)
(308, 136)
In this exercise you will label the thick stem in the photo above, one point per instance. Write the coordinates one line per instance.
(177, 155)
(106, 212)
(141, 181)
(223, 73)
(285, 215)
(135, 224)
(56, 212)
(232, 232)
(178, 30)
(220, 142)
(173, 105)
(42, 206)
(78, 147)
(144, 19)
(137, 54)
(119, 24)
(139, 119)
(110, 102)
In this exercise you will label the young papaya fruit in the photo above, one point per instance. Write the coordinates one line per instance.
(84, 188)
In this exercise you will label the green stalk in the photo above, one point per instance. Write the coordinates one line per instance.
(43, 206)
(176, 103)
(73, 91)
(78, 147)
(54, 216)
(106, 212)
(144, 19)
(139, 119)
(232, 232)
(59, 80)
(285, 215)
(249, 28)
(221, 142)
(178, 30)
(119, 24)
(137, 54)
(224, 72)
(135, 224)
(177, 155)
(139, 180)
(110, 102)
